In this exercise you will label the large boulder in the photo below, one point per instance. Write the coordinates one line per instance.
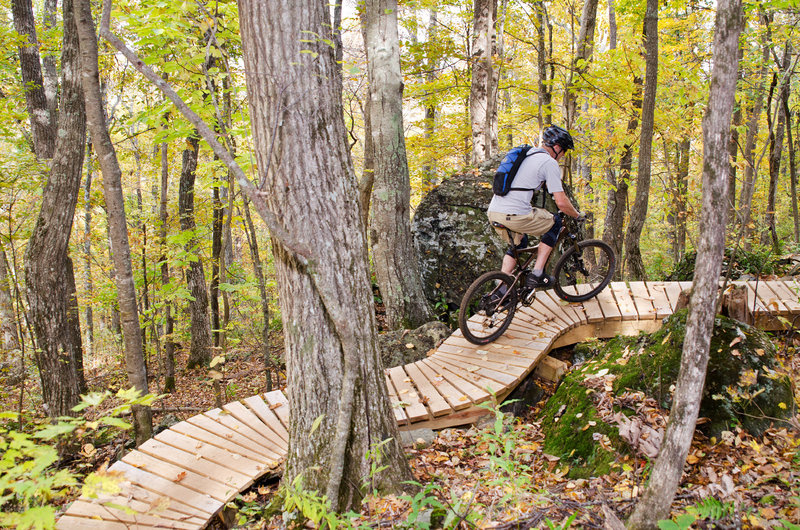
(454, 239)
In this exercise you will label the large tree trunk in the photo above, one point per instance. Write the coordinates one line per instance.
(666, 473)
(336, 387)
(393, 252)
(200, 349)
(42, 119)
(115, 206)
(482, 77)
(633, 255)
(48, 267)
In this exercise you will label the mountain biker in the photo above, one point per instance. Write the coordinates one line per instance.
(514, 210)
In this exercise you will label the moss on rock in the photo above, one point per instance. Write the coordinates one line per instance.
(743, 387)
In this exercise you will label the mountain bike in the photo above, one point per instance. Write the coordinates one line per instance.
(585, 268)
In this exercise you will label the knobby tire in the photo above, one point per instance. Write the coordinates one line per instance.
(569, 270)
(478, 317)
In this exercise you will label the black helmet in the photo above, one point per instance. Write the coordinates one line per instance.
(556, 135)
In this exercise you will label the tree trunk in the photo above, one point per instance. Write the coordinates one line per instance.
(115, 204)
(258, 269)
(749, 179)
(667, 470)
(580, 63)
(216, 261)
(633, 255)
(482, 76)
(393, 252)
(200, 349)
(679, 189)
(9, 337)
(429, 168)
(336, 387)
(43, 126)
(87, 250)
(545, 91)
(792, 169)
(169, 321)
(770, 235)
(48, 267)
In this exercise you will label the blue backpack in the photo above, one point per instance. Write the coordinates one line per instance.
(508, 169)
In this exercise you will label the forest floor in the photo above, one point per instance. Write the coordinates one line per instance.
(471, 479)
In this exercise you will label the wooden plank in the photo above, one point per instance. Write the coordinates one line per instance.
(199, 483)
(754, 302)
(551, 369)
(249, 418)
(70, 522)
(436, 403)
(466, 392)
(476, 381)
(515, 359)
(608, 304)
(543, 305)
(218, 439)
(790, 298)
(661, 303)
(415, 410)
(540, 317)
(397, 403)
(238, 426)
(191, 461)
(159, 518)
(446, 390)
(643, 300)
(210, 425)
(532, 342)
(772, 299)
(575, 310)
(485, 370)
(279, 405)
(270, 419)
(558, 307)
(673, 291)
(225, 457)
(150, 488)
(624, 301)
(591, 307)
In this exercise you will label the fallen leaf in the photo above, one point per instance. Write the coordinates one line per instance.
(181, 476)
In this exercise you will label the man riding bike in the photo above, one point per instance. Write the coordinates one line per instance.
(514, 209)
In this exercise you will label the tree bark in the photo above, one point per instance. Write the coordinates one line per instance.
(48, 267)
(200, 349)
(393, 252)
(169, 321)
(679, 189)
(749, 179)
(482, 77)
(545, 91)
(333, 369)
(633, 254)
(258, 269)
(115, 204)
(42, 120)
(9, 336)
(792, 170)
(87, 250)
(580, 63)
(666, 473)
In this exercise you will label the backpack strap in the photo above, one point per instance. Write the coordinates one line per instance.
(536, 151)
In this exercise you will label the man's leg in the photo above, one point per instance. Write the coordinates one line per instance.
(508, 264)
(541, 258)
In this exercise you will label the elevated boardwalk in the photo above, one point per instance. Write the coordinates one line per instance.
(184, 476)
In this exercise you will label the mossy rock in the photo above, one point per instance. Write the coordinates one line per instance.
(742, 386)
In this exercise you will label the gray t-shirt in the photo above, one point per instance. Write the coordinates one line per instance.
(539, 167)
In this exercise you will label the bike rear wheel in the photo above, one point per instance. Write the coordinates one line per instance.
(487, 307)
(577, 281)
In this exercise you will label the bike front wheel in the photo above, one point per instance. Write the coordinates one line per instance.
(488, 307)
(577, 280)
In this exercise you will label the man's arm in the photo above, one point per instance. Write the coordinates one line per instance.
(564, 204)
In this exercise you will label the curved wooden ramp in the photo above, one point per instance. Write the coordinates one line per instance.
(185, 475)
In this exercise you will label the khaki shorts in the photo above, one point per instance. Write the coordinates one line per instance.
(536, 223)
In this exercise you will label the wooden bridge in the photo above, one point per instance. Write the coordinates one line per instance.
(184, 476)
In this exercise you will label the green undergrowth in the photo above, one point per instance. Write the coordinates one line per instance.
(745, 386)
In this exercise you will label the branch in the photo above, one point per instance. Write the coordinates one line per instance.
(295, 247)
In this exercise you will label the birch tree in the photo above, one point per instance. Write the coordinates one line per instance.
(666, 473)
